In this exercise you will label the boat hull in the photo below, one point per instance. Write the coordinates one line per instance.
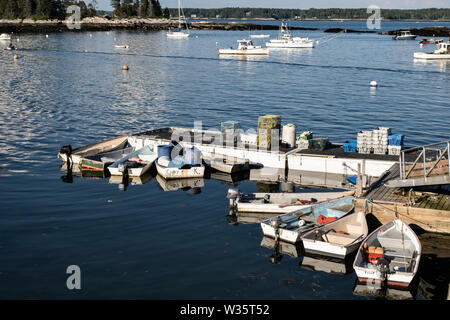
(282, 199)
(175, 173)
(293, 236)
(95, 148)
(431, 56)
(246, 52)
(309, 44)
(177, 35)
(335, 244)
(367, 272)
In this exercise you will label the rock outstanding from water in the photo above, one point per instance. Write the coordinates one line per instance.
(103, 24)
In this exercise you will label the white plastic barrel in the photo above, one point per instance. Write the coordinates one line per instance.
(288, 135)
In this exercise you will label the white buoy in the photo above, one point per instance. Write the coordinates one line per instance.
(373, 84)
(217, 43)
(46, 35)
(421, 45)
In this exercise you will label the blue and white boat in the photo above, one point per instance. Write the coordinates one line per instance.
(291, 226)
(135, 164)
(178, 166)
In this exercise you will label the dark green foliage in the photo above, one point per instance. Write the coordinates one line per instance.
(330, 13)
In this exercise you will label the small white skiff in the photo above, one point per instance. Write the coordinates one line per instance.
(135, 164)
(391, 253)
(105, 146)
(167, 172)
(283, 202)
(339, 238)
(290, 226)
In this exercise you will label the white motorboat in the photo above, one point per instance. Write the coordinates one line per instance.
(391, 253)
(5, 36)
(338, 238)
(135, 164)
(245, 47)
(259, 36)
(121, 46)
(179, 33)
(283, 202)
(404, 35)
(290, 226)
(442, 52)
(286, 40)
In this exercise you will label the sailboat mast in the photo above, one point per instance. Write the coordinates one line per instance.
(179, 15)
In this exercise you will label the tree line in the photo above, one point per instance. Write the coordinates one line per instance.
(139, 8)
(323, 14)
(56, 9)
(44, 9)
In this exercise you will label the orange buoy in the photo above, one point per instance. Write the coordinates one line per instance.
(125, 67)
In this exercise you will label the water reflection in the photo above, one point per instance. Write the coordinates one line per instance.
(328, 264)
(190, 186)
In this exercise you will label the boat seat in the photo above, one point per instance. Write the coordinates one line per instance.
(339, 238)
(354, 229)
(398, 253)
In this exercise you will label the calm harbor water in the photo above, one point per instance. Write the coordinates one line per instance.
(146, 243)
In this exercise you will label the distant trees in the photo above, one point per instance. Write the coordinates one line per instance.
(43, 9)
(323, 14)
(55, 9)
(137, 8)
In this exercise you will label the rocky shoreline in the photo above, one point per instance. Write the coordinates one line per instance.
(100, 24)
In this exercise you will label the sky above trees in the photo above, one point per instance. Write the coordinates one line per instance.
(303, 4)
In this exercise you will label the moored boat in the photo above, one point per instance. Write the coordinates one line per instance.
(75, 155)
(442, 52)
(5, 36)
(391, 253)
(134, 164)
(245, 47)
(259, 36)
(404, 35)
(100, 162)
(291, 226)
(179, 34)
(338, 238)
(171, 170)
(121, 46)
(283, 202)
(226, 164)
(171, 164)
(286, 40)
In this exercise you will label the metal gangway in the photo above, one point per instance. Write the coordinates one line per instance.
(429, 168)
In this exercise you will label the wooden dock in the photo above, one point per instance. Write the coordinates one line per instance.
(426, 210)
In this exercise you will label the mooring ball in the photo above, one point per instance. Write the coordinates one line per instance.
(16, 57)
(373, 83)
(125, 67)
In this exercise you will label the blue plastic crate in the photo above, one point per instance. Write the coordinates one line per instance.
(350, 146)
(396, 139)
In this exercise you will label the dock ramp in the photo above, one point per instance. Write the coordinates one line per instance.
(429, 168)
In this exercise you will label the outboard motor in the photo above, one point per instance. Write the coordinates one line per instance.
(233, 194)
(232, 218)
(383, 265)
(267, 198)
(67, 150)
(275, 223)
